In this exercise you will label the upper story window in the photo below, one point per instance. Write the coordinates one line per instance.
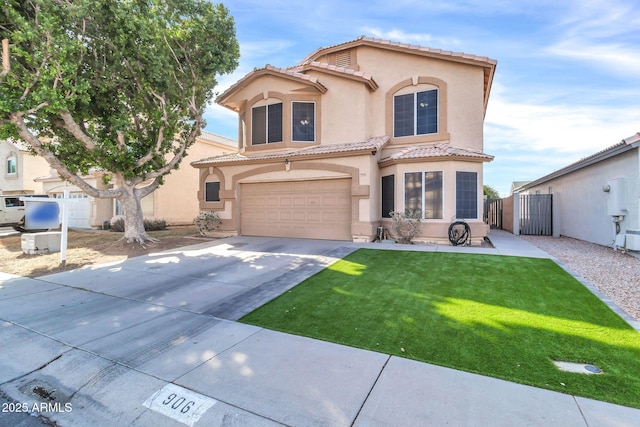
(12, 165)
(415, 113)
(303, 118)
(266, 124)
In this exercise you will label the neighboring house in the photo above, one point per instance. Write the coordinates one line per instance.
(20, 168)
(597, 199)
(329, 147)
(175, 201)
(515, 186)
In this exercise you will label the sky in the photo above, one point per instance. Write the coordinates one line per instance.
(567, 83)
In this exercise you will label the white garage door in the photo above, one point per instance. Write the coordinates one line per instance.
(308, 209)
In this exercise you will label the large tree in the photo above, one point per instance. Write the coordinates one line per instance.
(112, 85)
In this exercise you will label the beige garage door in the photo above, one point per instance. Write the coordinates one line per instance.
(308, 209)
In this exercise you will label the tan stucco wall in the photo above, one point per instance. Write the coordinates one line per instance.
(435, 230)
(465, 83)
(176, 201)
(28, 167)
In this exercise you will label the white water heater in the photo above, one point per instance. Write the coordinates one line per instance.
(616, 197)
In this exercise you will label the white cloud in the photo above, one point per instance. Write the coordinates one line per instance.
(572, 130)
(423, 39)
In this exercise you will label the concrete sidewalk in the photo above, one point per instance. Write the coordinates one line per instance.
(152, 341)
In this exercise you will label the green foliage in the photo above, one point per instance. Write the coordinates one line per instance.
(207, 221)
(110, 84)
(117, 224)
(155, 224)
(490, 192)
(506, 317)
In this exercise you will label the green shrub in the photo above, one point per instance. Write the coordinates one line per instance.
(117, 224)
(155, 224)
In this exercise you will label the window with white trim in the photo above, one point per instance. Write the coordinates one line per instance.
(415, 113)
(303, 121)
(423, 193)
(466, 195)
(12, 165)
(266, 124)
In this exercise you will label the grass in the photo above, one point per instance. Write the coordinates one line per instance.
(505, 317)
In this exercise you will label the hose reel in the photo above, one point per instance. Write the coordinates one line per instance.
(459, 233)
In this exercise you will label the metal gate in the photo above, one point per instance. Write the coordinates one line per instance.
(536, 214)
(493, 213)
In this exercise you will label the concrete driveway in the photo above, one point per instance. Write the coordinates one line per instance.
(152, 342)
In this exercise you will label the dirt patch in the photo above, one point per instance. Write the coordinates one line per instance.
(88, 248)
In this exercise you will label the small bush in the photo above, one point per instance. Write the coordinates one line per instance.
(117, 224)
(405, 225)
(155, 224)
(207, 221)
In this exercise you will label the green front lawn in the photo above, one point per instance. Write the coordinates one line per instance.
(506, 317)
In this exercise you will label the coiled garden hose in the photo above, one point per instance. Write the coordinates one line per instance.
(459, 233)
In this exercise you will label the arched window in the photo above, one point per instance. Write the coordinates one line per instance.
(12, 165)
(417, 110)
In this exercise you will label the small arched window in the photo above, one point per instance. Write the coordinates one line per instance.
(12, 165)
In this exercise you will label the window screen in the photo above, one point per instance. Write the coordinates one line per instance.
(433, 195)
(413, 192)
(212, 192)
(466, 195)
(303, 121)
(388, 195)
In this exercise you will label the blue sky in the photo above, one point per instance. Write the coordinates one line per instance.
(567, 82)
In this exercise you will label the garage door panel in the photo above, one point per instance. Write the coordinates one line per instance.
(309, 209)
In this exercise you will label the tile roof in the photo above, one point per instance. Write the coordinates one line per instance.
(208, 136)
(372, 144)
(347, 72)
(270, 69)
(397, 45)
(440, 150)
(19, 144)
(609, 152)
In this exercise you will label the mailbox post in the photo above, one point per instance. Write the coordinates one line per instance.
(39, 214)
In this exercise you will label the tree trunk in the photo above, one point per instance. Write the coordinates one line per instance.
(133, 218)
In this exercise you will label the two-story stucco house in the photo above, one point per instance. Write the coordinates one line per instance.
(20, 168)
(327, 148)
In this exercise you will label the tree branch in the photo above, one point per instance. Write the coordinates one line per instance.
(74, 129)
(160, 139)
(24, 132)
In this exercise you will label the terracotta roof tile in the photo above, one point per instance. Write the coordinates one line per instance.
(372, 144)
(432, 151)
(371, 40)
(208, 136)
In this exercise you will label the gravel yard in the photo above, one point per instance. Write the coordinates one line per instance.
(615, 274)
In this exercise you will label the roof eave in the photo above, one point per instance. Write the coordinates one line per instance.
(590, 161)
(391, 161)
(278, 158)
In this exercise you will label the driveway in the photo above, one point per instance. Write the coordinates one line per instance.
(152, 342)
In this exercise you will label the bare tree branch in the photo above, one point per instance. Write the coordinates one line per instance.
(24, 132)
(74, 129)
